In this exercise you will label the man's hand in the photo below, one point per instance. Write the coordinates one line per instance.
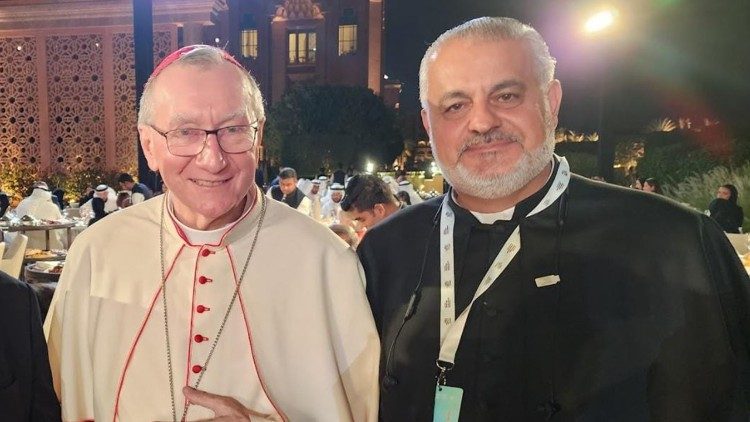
(226, 409)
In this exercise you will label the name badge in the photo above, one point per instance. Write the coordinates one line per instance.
(547, 280)
(447, 403)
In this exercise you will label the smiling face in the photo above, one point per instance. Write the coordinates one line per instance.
(208, 190)
(490, 124)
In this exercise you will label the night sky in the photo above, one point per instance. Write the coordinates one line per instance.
(665, 58)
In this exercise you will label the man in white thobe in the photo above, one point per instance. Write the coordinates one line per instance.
(186, 306)
(406, 186)
(109, 196)
(331, 210)
(40, 206)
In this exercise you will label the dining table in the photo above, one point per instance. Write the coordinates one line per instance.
(57, 225)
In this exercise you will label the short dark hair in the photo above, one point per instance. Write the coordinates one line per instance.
(364, 191)
(124, 177)
(287, 173)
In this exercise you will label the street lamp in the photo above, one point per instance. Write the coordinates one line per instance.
(369, 167)
(600, 21)
(596, 25)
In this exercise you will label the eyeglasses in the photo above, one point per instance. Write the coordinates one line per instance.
(189, 142)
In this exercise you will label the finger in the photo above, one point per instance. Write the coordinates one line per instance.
(221, 405)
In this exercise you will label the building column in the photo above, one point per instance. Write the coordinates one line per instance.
(374, 47)
(192, 33)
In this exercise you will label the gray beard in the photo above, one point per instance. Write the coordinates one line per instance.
(496, 186)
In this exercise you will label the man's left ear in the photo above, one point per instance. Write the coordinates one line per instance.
(554, 97)
(146, 139)
(258, 140)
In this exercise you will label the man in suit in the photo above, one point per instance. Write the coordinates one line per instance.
(26, 392)
(528, 291)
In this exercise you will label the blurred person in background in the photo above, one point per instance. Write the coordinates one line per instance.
(725, 211)
(652, 185)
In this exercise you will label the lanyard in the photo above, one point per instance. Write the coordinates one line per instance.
(451, 328)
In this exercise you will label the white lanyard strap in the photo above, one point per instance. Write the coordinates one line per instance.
(451, 328)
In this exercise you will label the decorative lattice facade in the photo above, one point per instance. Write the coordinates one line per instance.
(126, 133)
(75, 96)
(67, 100)
(19, 109)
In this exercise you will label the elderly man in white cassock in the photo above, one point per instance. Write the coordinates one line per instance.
(194, 314)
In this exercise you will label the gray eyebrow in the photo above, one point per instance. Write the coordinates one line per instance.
(512, 83)
(181, 118)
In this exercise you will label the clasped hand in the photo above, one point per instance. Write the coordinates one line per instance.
(226, 409)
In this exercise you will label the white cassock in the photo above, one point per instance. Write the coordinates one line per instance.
(40, 206)
(299, 342)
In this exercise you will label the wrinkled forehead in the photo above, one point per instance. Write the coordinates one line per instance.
(472, 60)
(184, 92)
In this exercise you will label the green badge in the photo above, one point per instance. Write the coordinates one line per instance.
(447, 403)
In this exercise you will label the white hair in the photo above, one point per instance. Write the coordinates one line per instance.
(493, 29)
(204, 57)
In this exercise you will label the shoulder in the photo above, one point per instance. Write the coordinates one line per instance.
(288, 224)
(629, 210)
(14, 294)
(11, 287)
(408, 223)
(129, 223)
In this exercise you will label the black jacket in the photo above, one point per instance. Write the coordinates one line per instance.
(292, 200)
(729, 216)
(648, 323)
(26, 392)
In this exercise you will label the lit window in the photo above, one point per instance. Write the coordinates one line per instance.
(347, 39)
(302, 47)
(249, 44)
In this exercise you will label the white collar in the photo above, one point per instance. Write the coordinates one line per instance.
(203, 237)
(504, 215)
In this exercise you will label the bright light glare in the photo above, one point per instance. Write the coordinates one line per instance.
(369, 167)
(600, 21)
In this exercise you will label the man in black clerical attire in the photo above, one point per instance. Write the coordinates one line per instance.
(527, 290)
(288, 193)
(26, 392)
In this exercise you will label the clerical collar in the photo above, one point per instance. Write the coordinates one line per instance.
(523, 207)
(205, 237)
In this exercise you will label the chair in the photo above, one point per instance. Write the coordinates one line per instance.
(12, 260)
(739, 241)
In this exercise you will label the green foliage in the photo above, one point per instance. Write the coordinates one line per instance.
(75, 183)
(582, 163)
(16, 179)
(314, 125)
(698, 190)
(581, 156)
(671, 157)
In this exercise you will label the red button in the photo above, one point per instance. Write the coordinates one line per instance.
(201, 309)
(205, 252)
(199, 338)
(197, 369)
(202, 279)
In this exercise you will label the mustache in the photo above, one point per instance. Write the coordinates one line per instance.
(495, 135)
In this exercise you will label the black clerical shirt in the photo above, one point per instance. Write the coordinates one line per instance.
(476, 244)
